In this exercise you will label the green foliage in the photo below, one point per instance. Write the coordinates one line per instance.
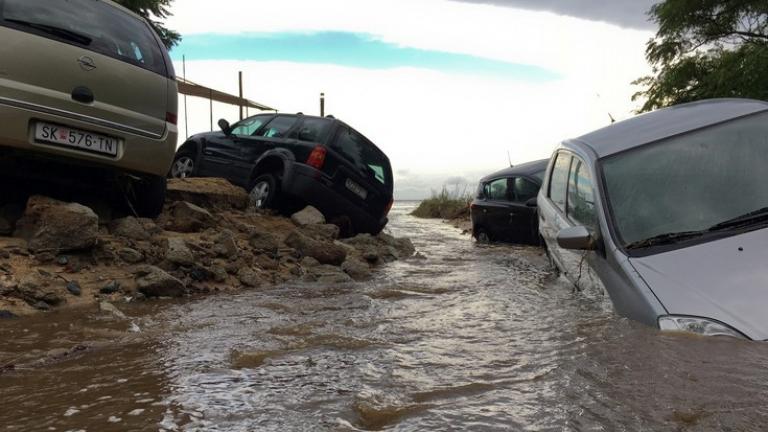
(444, 205)
(154, 11)
(706, 49)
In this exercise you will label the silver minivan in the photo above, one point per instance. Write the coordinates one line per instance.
(87, 86)
(667, 213)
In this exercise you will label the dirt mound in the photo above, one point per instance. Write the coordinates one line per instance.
(206, 240)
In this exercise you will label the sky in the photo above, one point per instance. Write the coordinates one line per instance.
(450, 90)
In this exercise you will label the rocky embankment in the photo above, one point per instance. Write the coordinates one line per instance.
(55, 254)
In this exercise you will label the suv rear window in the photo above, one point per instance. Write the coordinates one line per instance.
(364, 154)
(93, 25)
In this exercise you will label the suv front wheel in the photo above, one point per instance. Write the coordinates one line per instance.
(263, 191)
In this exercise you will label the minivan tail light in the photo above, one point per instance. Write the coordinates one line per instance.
(317, 157)
(172, 118)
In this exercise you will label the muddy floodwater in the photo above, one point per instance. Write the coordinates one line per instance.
(463, 337)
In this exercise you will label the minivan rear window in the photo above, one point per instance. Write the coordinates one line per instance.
(91, 24)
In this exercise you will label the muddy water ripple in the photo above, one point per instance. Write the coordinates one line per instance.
(466, 337)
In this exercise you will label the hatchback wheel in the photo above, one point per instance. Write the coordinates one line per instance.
(263, 191)
(482, 236)
(183, 166)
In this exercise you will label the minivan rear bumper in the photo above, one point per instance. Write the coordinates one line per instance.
(310, 185)
(136, 153)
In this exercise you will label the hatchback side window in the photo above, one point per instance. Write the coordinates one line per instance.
(497, 190)
(249, 126)
(558, 182)
(581, 198)
(279, 127)
(312, 130)
(523, 189)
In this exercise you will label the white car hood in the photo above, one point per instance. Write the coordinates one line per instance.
(725, 279)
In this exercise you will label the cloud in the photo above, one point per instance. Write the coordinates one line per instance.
(626, 13)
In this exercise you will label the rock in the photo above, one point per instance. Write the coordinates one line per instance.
(45, 257)
(356, 269)
(41, 305)
(108, 307)
(309, 262)
(308, 216)
(131, 256)
(264, 242)
(267, 263)
(110, 288)
(36, 286)
(199, 274)
(4, 314)
(129, 227)
(178, 253)
(248, 277)
(226, 245)
(74, 288)
(207, 192)
(321, 232)
(327, 274)
(381, 248)
(323, 251)
(219, 273)
(50, 225)
(187, 217)
(62, 260)
(154, 282)
(403, 246)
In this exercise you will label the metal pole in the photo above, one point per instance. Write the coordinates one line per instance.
(322, 104)
(184, 75)
(240, 75)
(210, 95)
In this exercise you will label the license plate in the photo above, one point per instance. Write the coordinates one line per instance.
(76, 138)
(357, 189)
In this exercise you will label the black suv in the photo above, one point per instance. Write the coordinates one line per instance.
(287, 161)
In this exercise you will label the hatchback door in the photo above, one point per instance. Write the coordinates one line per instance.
(552, 207)
(86, 60)
(496, 209)
(522, 217)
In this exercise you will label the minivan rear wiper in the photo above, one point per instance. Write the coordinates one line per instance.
(759, 215)
(667, 238)
(56, 31)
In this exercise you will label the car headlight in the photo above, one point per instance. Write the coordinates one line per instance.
(700, 326)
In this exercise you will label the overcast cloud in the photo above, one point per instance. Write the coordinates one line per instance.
(625, 13)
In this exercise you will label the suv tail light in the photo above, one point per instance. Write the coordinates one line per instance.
(317, 157)
(172, 118)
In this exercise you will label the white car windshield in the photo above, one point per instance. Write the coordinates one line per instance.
(689, 183)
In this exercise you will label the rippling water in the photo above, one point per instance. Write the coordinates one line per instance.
(467, 337)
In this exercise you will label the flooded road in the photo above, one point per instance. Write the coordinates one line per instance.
(463, 337)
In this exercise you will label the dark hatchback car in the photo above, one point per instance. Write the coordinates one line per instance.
(504, 208)
(288, 161)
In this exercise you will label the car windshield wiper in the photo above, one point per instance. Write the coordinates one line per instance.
(667, 238)
(56, 31)
(753, 217)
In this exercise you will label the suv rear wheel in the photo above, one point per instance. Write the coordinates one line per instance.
(263, 191)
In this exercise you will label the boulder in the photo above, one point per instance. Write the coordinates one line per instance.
(356, 269)
(110, 288)
(187, 217)
(37, 287)
(381, 248)
(154, 282)
(131, 256)
(207, 192)
(129, 227)
(226, 245)
(327, 274)
(74, 288)
(249, 277)
(323, 251)
(308, 216)
(264, 242)
(322, 231)
(51, 225)
(178, 253)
